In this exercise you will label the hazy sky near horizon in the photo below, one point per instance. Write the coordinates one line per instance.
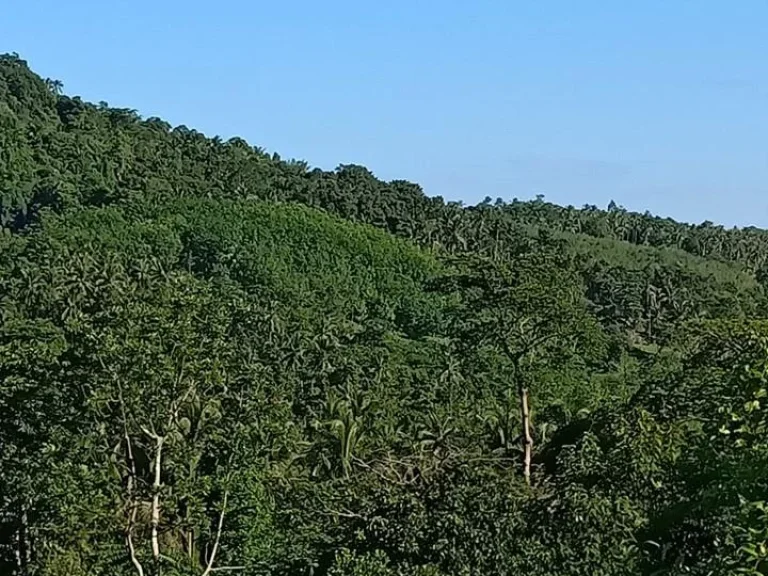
(658, 105)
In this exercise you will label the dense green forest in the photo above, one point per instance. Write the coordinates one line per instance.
(213, 360)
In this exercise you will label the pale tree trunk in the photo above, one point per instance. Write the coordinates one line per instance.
(157, 484)
(527, 438)
(132, 504)
(133, 507)
(191, 543)
(190, 534)
(209, 567)
(155, 518)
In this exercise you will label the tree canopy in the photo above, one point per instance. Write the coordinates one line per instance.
(214, 360)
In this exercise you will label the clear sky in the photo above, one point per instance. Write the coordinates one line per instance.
(658, 104)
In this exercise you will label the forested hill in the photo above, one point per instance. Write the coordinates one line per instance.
(63, 152)
(212, 359)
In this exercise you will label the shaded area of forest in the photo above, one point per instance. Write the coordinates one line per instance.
(214, 360)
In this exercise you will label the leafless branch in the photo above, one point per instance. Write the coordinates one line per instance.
(131, 478)
(216, 543)
(157, 484)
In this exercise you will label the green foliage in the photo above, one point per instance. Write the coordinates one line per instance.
(212, 360)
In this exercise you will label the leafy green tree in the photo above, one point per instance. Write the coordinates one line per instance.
(529, 311)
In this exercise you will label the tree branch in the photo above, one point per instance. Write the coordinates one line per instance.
(157, 484)
(131, 478)
(212, 558)
(527, 438)
(132, 503)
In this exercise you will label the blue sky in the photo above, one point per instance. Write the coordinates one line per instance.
(659, 105)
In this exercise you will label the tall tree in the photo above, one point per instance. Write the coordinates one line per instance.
(529, 310)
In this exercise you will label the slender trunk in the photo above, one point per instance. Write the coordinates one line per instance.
(209, 568)
(155, 518)
(189, 531)
(527, 438)
(132, 504)
(190, 543)
(133, 508)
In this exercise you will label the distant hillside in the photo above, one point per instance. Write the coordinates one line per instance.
(61, 153)
(213, 360)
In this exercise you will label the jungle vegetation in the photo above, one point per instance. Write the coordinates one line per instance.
(214, 360)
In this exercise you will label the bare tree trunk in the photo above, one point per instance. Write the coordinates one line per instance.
(209, 568)
(190, 535)
(133, 508)
(191, 543)
(130, 488)
(527, 438)
(157, 484)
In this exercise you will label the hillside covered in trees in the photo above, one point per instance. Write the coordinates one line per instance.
(213, 360)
